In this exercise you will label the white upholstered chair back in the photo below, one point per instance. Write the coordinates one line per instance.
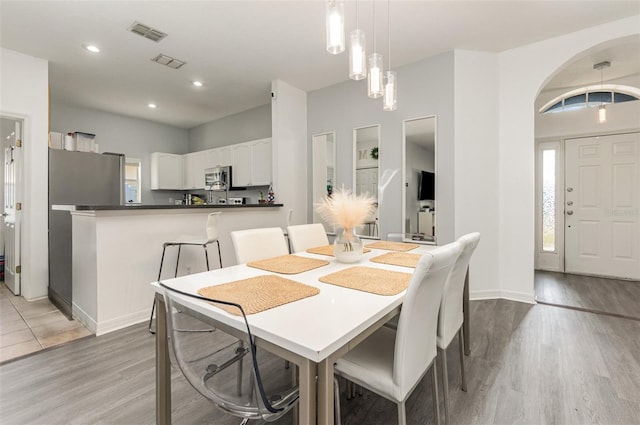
(212, 226)
(415, 346)
(305, 236)
(451, 316)
(258, 244)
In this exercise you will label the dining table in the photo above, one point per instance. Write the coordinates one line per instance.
(311, 333)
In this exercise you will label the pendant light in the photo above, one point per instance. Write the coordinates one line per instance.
(390, 100)
(357, 52)
(602, 112)
(375, 66)
(335, 26)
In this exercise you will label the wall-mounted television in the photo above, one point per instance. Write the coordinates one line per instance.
(427, 187)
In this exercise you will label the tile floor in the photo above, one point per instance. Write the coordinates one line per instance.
(30, 326)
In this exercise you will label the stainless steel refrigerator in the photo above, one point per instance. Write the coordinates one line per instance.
(76, 178)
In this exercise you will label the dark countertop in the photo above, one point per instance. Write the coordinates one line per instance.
(166, 207)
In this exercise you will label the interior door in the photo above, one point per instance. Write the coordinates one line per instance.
(12, 209)
(602, 191)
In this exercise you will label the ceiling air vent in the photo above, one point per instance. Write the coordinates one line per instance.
(168, 61)
(147, 32)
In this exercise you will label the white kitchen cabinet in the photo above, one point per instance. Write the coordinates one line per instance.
(261, 162)
(194, 165)
(241, 164)
(218, 157)
(166, 171)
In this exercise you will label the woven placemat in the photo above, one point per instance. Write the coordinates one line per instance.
(328, 250)
(398, 259)
(393, 246)
(258, 293)
(368, 279)
(288, 264)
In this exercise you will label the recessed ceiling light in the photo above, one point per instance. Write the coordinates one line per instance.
(152, 105)
(197, 83)
(91, 48)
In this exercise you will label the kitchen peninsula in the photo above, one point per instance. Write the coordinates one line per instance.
(116, 252)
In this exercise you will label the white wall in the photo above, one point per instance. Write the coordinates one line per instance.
(523, 71)
(252, 124)
(289, 126)
(476, 168)
(133, 137)
(425, 88)
(24, 94)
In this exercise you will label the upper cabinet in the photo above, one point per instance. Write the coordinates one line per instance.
(261, 160)
(166, 171)
(250, 161)
(241, 165)
(194, 165)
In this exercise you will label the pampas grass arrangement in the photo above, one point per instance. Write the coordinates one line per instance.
(346, 210)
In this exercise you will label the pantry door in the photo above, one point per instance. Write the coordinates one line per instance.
(602, 191)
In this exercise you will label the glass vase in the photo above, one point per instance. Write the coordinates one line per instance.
(347, 247)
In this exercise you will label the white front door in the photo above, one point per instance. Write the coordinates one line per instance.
(12, 209)
(602, 204)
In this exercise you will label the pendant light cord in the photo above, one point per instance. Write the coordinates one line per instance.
(374, 27)
(389, 33)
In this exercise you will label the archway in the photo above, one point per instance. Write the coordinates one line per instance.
(556, 232)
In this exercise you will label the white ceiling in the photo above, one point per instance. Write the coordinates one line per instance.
(238, 47)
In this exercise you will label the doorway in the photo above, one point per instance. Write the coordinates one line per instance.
(587, 203)
(602, 197)
(11, 136)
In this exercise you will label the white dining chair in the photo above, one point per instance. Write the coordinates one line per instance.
(211, 231)
(258, 244)
(305, 236)
(451, 318)
(391, 362)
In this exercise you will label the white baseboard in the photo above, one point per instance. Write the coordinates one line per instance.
(120, 322)
(83, 318)
(491, 294)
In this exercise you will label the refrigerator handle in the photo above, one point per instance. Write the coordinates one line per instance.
(122, 161)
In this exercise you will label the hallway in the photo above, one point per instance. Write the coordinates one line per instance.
(615, 297)
(30, 326)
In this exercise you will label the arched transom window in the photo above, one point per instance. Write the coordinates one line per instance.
(591, 96)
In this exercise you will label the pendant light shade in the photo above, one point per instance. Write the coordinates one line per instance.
(602, 114)
(357, 55)
(335, 26)
(390, 100)
(375, 76)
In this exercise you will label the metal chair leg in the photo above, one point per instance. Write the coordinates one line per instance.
(402, 413)
(337, 418)
(206, 256)
(463, 386)
(219, 255)
(177, 261)
(434, 388)
(153, 308)
(445, 384)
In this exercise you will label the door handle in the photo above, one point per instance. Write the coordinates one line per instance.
(570, 212)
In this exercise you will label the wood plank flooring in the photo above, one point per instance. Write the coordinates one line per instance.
(598, 294)
(529, 364)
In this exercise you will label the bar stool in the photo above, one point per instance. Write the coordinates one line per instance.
(212, 236)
